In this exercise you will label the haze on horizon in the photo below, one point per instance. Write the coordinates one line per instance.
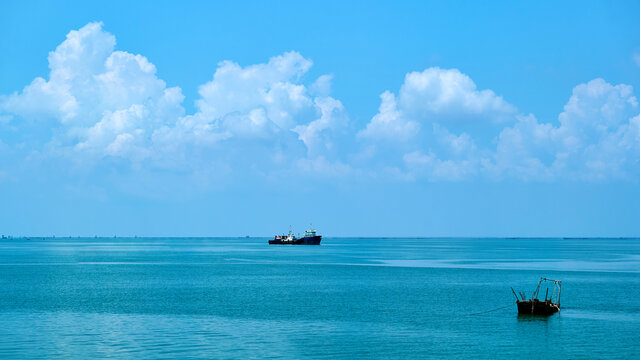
(229, 119)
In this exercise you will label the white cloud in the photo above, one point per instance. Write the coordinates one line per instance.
(389, 123)
(595, 139)
(272, 86)
(441, 96)
(594, 110)
(265, 103)
(319, 134)
(452, 143)
(596, 136)
(448, 95)
(322, 86)
(108, 102)
(429, 104)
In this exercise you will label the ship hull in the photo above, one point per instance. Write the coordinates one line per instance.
(307, 240)
(537, 307)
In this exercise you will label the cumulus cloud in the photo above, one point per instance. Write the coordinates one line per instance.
(110, 103)
(263, 101)
(428, 118)
(262, 112)
(596, 138)
(320, 134)
(272, 86)
(436, 116)
(441, 96)
(107, 103)
(322, 86)
(389, 123)
(454, 144)
(446, 95)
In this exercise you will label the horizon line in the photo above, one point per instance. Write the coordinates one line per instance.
(29, 237)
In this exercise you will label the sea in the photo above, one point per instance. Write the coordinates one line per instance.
(372, 298)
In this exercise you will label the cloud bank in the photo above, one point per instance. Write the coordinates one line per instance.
(109, 103)
(442, 123)
(104, 105)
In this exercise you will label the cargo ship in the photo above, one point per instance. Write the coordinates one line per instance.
(310, 237)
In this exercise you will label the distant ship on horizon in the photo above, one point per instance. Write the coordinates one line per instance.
(310, 237)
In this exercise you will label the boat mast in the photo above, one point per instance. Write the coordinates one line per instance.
(559, 291)
(535, 293)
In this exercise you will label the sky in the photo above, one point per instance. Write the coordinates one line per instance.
(234, 118)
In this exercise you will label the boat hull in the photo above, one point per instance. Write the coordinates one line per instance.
(307, 240)
(537, 307)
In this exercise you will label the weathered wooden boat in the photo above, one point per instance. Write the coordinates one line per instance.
(535, 306)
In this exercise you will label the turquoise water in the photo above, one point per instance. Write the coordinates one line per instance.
(365, 298)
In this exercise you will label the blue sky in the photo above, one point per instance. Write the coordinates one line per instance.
(236, 118)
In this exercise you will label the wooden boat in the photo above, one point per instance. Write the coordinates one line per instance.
(535, 306)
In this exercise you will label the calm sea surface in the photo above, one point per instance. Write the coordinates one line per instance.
(364, 298)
